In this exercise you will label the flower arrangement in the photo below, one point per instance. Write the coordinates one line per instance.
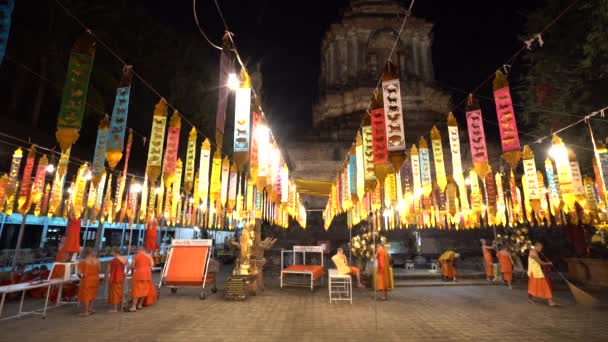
(362, 246)
(517, 238)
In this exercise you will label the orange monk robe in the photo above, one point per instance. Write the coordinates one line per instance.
(487, 259)
(71, 243)
(150, 239)
(383, 278)
(446, 260)
(537, 283)
(117, 280)
(87, 291)
(506, 267)
(142, 276)
(69, 289)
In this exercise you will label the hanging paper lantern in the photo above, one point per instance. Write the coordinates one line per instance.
(38, 186)
(457, 161)
(203, 173)
(477, 137)
(100, 151)
(507, 123)
(425, 167)
(157, 140)
(437, 147)
(24, 201)
(13, 175)
(118, 123)
(75, 89)
(57, 187)
(91, 197)
(190, 159)
(3, 184)
(242, 116)
(390, 190)
(577, 178)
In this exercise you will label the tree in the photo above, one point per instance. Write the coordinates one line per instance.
(568, 76)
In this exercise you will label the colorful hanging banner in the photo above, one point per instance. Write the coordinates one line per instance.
(379, 146)
(118, 123)
(39, 178)
(100, 151)
(285, 187)
(157, 140)
(24, 201)
(603, 160)
(75, 89)
(530, 172)
(225, 180)
(562, 164)
(232, 187)
(415, 158)
(477, 137)
(190, 159)
(577, 178)
(203, 173)
(170, 158)
(425, 167)
(507, 123)
(368, 152)
(438, 158)
(359, 166)
(395, 130)
(13, 176)
(222, 100)
(457, 160)
(262, 137)
(242, 115)
(6, 9)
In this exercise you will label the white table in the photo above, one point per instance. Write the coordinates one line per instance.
(23, 288)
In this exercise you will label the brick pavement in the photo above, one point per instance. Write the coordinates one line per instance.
(480, 313)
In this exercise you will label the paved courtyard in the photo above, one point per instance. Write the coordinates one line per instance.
(460, 313)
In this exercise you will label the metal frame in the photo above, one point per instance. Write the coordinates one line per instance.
(339, 285)
(298, 282)
(188, 243)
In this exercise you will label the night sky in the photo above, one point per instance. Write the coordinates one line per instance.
(472, 39)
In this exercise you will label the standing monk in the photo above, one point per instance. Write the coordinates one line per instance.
(446, 262)
(115, 272)
(487, 259)
(537, 283)
(151, 237)
(88, 272)
(383, 280)
(142, 278)
(506, 264)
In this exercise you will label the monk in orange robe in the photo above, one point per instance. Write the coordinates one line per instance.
(69, 289)
(88, 272)
(487, 259)
(506, 264)
(537, 283)
(141, 285)
(383, 280)
(446, 262)
(151, 237)
(71, 243)
(115, 272)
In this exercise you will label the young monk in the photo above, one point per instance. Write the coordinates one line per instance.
(69, 289)
(506, 264)
(88, 272)
(142, 278)
(446, 262)
(537, 283)
(342, 265)
(487, 259)
(151, 237)
(383, 281)
(115, 273)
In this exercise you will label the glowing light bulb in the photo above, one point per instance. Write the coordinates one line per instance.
(158, 191)
(233, 81)
(136, 187)
(50, 168)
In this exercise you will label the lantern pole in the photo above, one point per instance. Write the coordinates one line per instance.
(19, 239)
